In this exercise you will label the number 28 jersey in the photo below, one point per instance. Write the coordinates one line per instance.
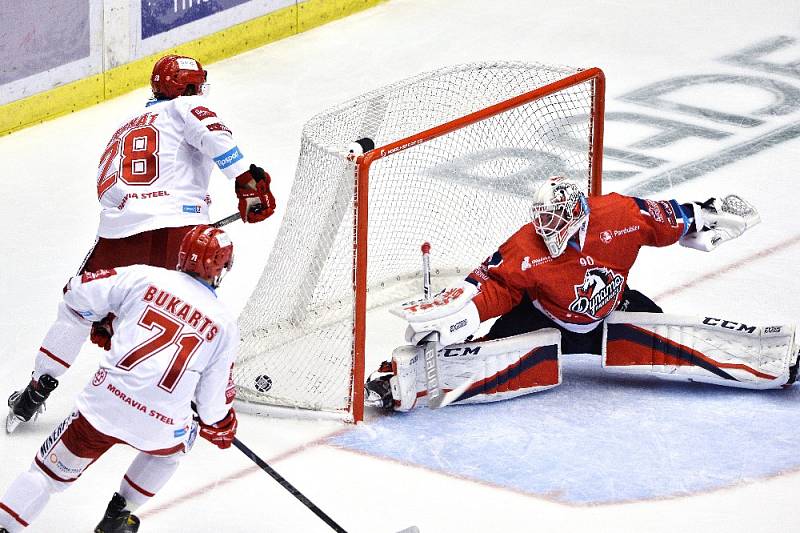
(173, 343)
(155, 170)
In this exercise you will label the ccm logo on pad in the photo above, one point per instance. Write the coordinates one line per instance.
(728, 324)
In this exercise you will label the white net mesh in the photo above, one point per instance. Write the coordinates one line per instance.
(465, 192)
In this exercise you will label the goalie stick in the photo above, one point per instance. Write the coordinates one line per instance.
(296, 493)
(431, 342)
(437, 398)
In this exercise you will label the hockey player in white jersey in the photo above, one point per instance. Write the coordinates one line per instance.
(155, 170)
(152, 185)
(172, 344)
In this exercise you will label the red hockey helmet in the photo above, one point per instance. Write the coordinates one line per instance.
(173, 74)
(206, 252)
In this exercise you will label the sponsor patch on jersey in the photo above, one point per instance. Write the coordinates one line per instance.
(606, 236)
(625, 231)
(202, 112)
(219, 126)
(99, 377)
(654, 211)
(672, 218)
(191, 208)
(228, 158)
(660, 211)
(86, 277)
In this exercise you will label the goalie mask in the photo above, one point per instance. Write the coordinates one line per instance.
(559, 211)
(206, 252)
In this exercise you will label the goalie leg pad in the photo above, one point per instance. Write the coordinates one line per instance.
(497, 369)
(703, 349)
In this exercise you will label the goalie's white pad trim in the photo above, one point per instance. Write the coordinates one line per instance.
(704, 349)
(495, 370)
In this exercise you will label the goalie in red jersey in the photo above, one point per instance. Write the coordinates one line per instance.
(559, 285)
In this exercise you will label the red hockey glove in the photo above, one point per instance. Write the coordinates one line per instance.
(102, 331)
(222, 433)
(256, 202)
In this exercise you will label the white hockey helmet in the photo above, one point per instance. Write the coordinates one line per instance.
(559, 211)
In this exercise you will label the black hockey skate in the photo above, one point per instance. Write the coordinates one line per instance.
(29, 402)
(116, 519)
(378, 390)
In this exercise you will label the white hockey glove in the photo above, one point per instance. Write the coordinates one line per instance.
(450, 313)
(718, 221)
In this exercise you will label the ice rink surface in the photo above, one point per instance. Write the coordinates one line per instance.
(703, 99)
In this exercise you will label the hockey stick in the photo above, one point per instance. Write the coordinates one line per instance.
(286, 485)
(227, 220)
(431, 342)
(234, 217)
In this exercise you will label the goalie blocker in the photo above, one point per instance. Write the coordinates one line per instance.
(679, 348)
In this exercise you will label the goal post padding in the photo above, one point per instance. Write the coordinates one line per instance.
(458, 153)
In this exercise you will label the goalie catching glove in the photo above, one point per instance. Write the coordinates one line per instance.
(256, 202)
(717, 221)
(450, 313)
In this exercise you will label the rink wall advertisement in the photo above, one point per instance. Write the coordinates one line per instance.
(158, 17)
(37, 37)
(59, 57)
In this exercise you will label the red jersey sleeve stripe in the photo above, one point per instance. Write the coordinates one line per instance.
(50, 354)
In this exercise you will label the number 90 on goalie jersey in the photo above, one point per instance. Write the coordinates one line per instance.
(703, 349)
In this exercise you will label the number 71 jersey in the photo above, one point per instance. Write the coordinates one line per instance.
(155, 170)
(173, 343)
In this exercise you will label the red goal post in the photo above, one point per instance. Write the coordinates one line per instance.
(458, 153)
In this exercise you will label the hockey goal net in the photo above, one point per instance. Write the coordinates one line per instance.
(458, 153)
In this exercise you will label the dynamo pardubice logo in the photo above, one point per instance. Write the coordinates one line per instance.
(596, 296)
